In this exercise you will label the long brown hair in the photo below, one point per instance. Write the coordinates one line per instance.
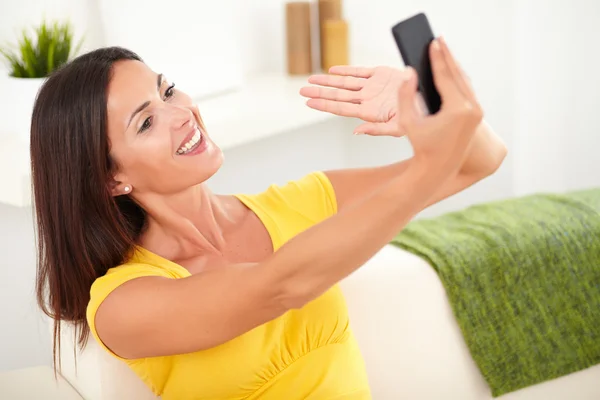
(82, 230)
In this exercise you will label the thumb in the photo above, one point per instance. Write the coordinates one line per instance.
(407, 96)
(406, 103)
(376, 129)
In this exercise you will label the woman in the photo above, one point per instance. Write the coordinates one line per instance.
(209, 296)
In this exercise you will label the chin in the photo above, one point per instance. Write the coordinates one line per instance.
(215, 164)
(200, 161)
(208, 162)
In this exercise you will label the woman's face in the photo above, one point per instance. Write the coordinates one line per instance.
(156, 134)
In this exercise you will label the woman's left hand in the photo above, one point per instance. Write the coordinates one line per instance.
(366, 93)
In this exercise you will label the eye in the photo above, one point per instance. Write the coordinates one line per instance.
(146, 125)
(170, 91)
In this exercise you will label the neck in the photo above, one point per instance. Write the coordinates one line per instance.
(192, 221)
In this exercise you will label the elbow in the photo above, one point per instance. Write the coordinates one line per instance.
(295, 295)
(288, 288)
(495, 152)
(497, 158)
(492, 164)
(294, 280)
(494, 161)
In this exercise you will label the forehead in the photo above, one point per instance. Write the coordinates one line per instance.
(131, 83)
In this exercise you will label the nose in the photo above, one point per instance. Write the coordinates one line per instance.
(182, 117)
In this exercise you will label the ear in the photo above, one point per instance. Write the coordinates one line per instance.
(118, 188)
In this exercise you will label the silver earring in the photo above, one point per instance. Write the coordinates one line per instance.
(126, 188)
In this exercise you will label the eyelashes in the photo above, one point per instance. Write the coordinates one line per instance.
(147, 124)
(170, 92)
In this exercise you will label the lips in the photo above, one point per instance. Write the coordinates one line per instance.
(191, 141)
(188, 137)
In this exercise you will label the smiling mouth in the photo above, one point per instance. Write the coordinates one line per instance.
(192, 143)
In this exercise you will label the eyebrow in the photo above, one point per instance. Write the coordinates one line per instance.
(159, 79)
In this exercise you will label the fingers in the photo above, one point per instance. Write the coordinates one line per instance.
(459, 76)
(347, 70)
(338, 81)
(376, 129)
(406, 102)
(442, 76)
(317, 92)
(335, 107)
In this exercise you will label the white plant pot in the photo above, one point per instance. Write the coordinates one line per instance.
(17, 103)
(196, 44)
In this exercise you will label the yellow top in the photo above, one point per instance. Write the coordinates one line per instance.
(308, 353)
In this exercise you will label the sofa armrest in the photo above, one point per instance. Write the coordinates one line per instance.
(401, 317)
(97, 375)
(35, 383)
(411, 343)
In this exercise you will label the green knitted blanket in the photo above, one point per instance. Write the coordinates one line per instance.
(523, 278)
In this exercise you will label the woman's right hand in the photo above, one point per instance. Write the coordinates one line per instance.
(441, 140)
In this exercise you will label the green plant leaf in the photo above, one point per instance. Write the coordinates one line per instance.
(51, 47)
(39, 53)
(28, 54)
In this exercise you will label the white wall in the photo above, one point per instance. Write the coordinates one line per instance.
(23, 333)
(535, 74)
(14, 16)
(557, 95)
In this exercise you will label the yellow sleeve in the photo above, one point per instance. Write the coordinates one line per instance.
(311, 196)
(114, 278)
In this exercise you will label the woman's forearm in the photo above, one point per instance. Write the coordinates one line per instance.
(315, 260)
(481, 159)
(485, 154)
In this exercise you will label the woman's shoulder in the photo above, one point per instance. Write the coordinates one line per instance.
(142, 263)
(311, 195)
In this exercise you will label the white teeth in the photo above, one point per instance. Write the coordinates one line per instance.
(192, 142)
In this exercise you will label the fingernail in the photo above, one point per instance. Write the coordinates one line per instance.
(436, 44)
(359, 133)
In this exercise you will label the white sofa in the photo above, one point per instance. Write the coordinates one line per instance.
(411, 343)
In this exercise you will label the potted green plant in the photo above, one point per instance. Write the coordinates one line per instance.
(39, 51)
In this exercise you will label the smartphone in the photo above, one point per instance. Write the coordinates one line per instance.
(413, 37)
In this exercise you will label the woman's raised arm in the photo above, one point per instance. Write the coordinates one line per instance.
(153, 316)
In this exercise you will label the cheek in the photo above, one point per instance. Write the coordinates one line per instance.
(155, 153)
(148, 160)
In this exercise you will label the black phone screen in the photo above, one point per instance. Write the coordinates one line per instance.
(413, 37)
